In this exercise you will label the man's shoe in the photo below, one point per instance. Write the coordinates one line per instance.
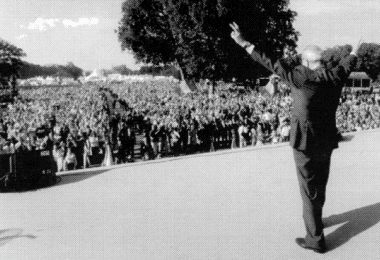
(302, 243)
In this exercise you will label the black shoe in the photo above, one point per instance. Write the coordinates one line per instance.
(302, 243)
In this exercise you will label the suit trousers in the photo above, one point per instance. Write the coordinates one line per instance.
(313, 168)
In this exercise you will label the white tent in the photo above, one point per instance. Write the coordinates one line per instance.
(96, 75)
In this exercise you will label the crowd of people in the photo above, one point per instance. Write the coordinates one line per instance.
(101, 123)
(358, 112)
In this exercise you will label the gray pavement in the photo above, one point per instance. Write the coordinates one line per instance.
(239, 204)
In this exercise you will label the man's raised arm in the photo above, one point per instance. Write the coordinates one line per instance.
(280, 68)
(339, 73)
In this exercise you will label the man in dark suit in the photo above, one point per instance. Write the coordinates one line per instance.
(316, 91)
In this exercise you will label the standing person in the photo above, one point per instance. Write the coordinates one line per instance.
(193, 138)
(243, 134)
(161, 134)
(130, 141)
(79, 150)
(253, 136)
(87, 151)
(108, 155)
(119, 152)
(183, 132)
(70, 161)
(235, 131)
(316, 91)
(154, 137)
(145, 145)
(94, 143)
(285, 131)
(59, 156)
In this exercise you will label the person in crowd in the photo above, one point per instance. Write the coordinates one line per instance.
(70, 141)
(108, 159)
(175, 139)
(70, 161)
(93, 141)
(87, 152)
(244, 133)
(119, 152)
(184, 135)
(154, 137)
(59, 155)
(285, 131)
(253, 134)
(3, 131)
(192, 138)
(162, 134)
(8, 147)
(57, 133)
(130, 140)
(2, 142)
(79, 149)
(234, 131)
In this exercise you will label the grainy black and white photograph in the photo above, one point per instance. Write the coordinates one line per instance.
(199, 130)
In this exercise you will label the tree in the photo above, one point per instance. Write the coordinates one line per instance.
(369, 59)
(74, 71)
(30, 70)
(122, 69)
(332, 56)
(10, 63)
(194, 35)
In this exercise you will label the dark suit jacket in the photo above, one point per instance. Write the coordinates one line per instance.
(315, 99)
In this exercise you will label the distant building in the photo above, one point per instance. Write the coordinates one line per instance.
(358, 80)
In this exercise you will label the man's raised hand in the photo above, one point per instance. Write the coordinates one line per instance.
(235, 30)
(236, 35)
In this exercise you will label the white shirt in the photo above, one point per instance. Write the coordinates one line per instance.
(285, 130)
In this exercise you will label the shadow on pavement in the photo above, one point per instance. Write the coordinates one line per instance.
(356, 221)
(7, 235)
(77, 177)
(347, 138)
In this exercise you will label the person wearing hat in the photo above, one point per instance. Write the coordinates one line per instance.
(316, 91)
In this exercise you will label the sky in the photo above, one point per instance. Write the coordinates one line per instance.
(79, 31)
(328, 23)
(61, 31)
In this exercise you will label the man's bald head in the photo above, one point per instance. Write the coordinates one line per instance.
(312, 56)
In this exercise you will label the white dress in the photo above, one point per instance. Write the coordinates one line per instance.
(108, 160)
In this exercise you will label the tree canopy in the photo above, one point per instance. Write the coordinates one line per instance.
(195, 34)
(30, 70)
(10, 63)
(368, 58)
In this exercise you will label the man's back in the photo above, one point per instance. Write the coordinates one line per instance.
(316, 97)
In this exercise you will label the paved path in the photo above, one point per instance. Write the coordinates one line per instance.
(241, 204)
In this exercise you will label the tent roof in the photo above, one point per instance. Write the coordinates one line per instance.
(358, 75)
